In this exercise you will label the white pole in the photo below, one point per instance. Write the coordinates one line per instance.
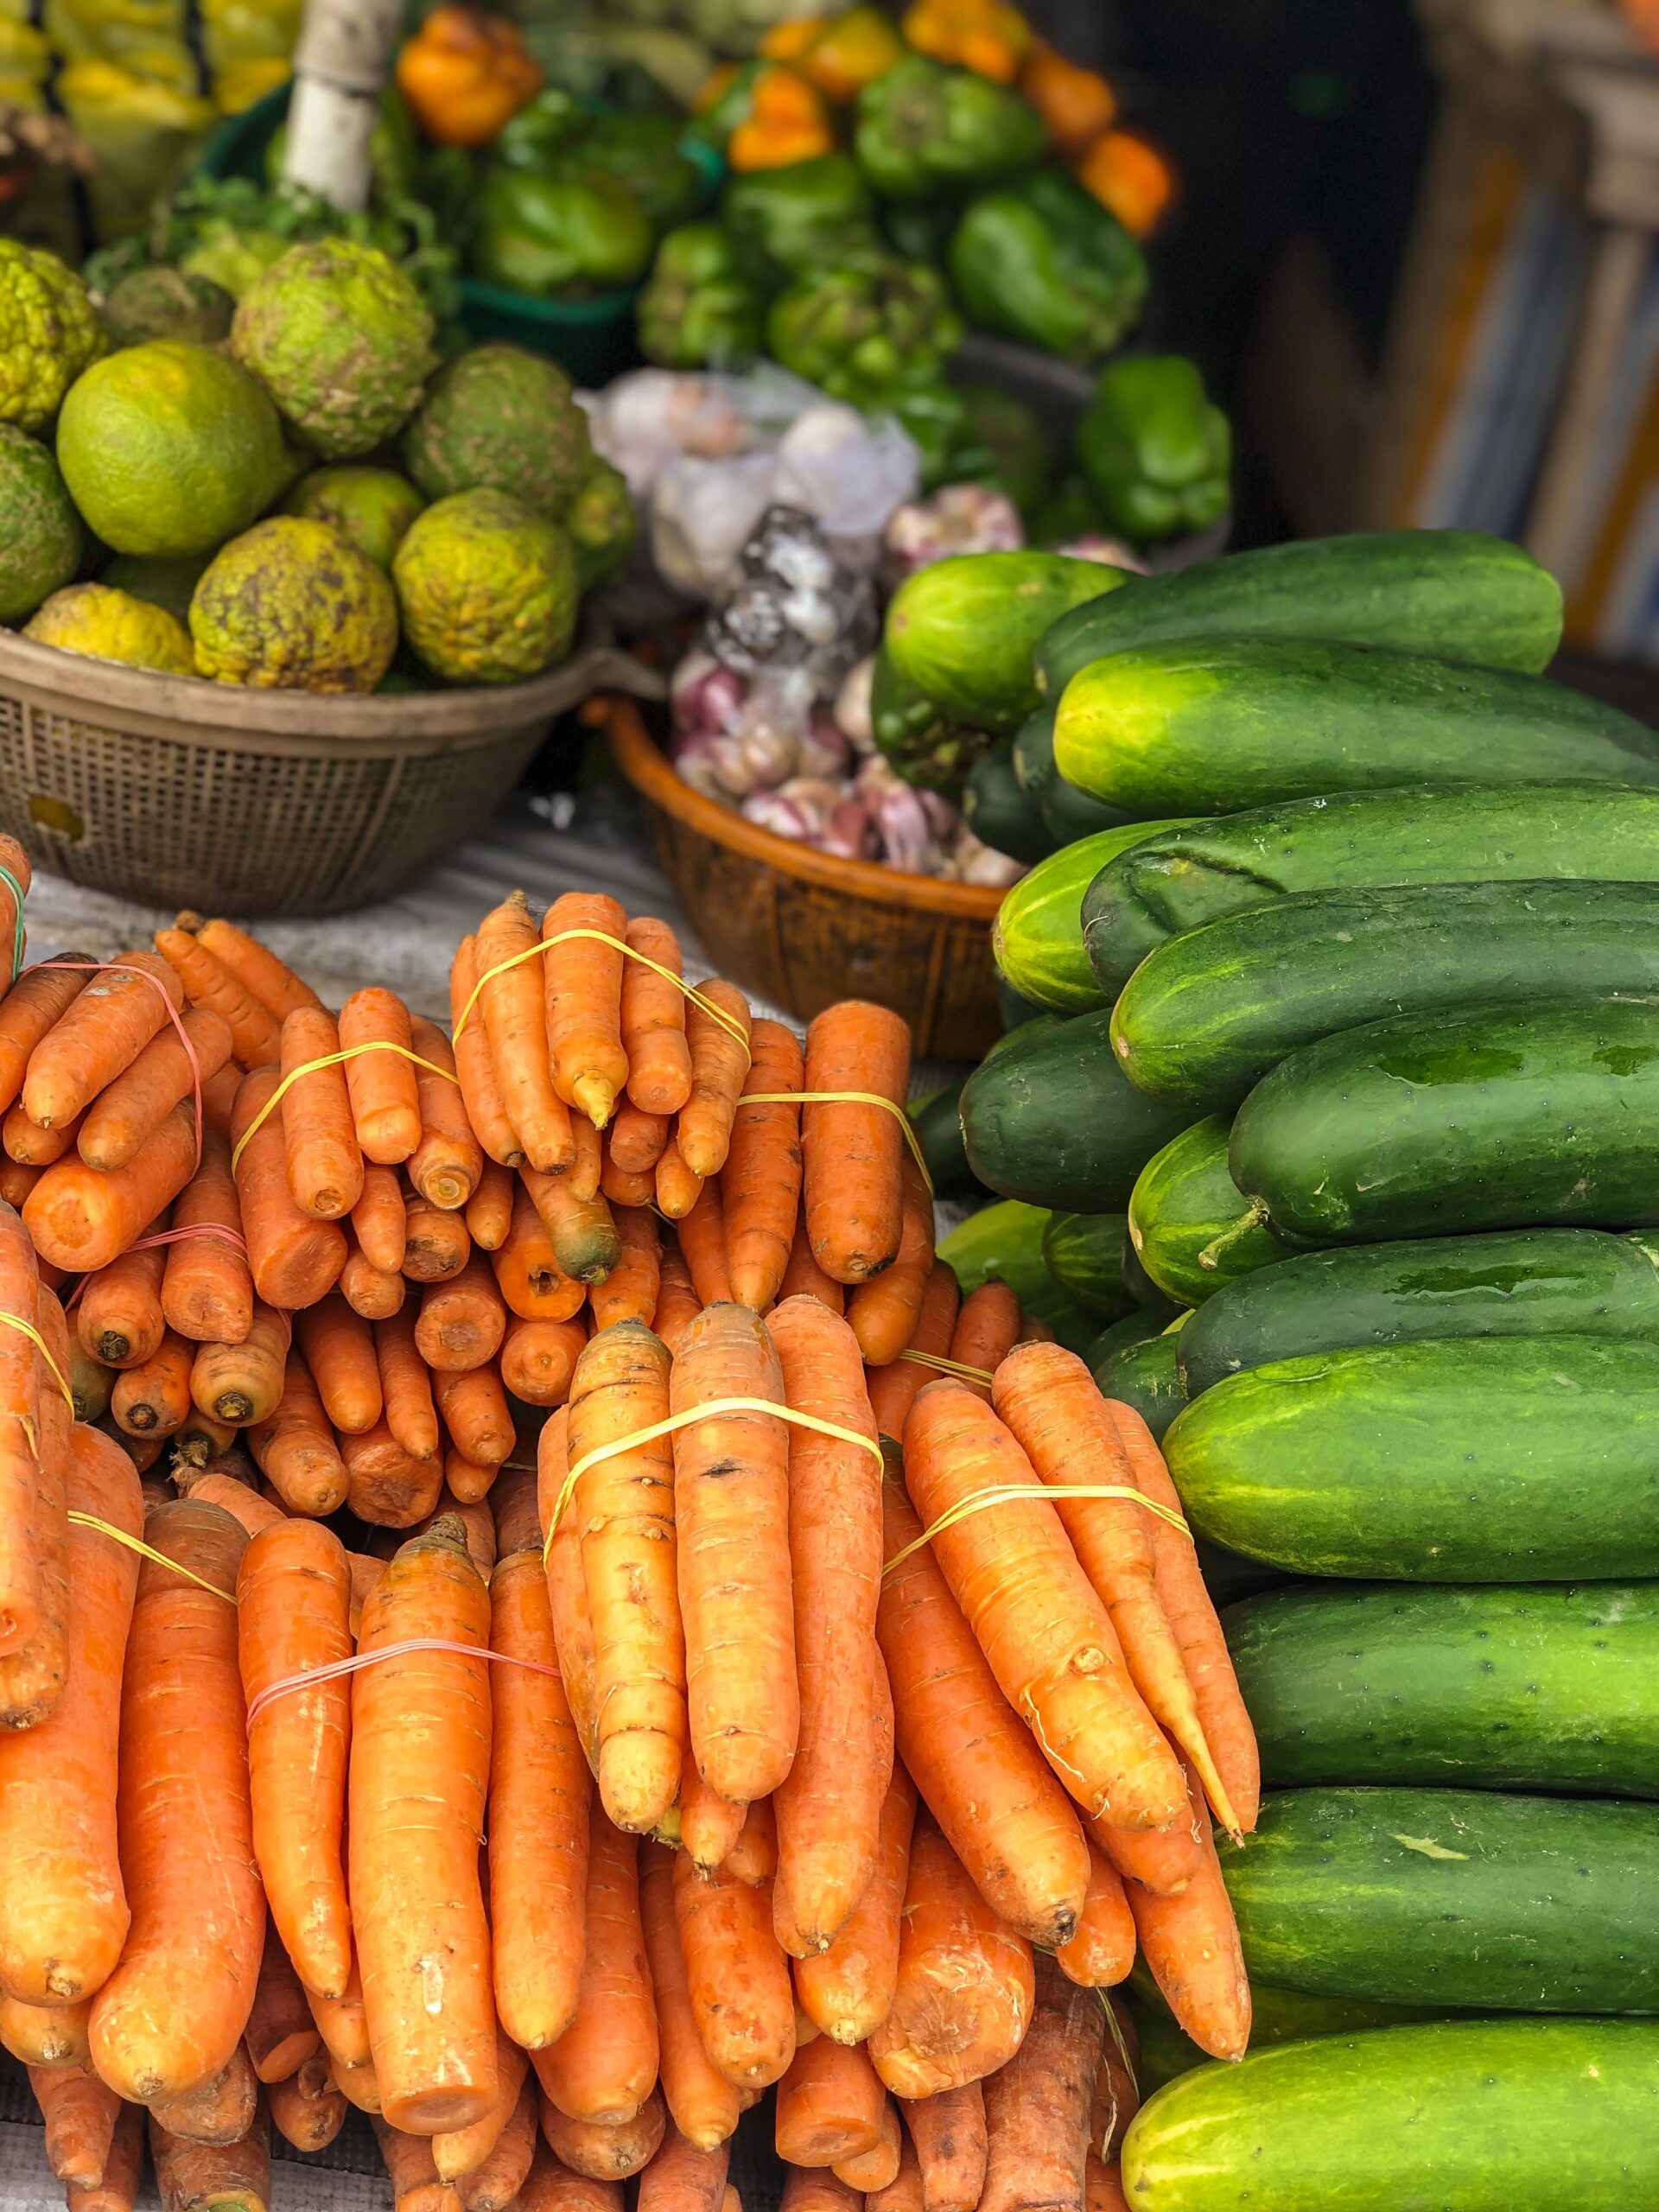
(340, 66)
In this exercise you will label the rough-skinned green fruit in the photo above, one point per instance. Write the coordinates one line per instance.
(964, 630)
(1037, 937)
(1193, 1229)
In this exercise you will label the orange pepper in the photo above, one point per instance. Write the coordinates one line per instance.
(1075, 105)
(464, 74)
(787, 122)
(840, 55)
(989, 36)
(1129, 175)
(788, 41)
(713, 86)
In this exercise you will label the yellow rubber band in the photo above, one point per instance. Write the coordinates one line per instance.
(676, 1421)
(1011, 1493)
(28, 1329)
(332, 1060)
(144, 1551)
(957, 1367)
(717, 1015)
(846, 1098)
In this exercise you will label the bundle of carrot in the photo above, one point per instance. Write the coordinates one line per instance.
(832, 1726)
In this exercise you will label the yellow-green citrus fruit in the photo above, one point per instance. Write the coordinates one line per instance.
(48, 333)
(503, 420)
(39, 530)
(487, 589)
(373, 506)
(163, 583)
(165, 302)
(292, 604)
(114, 626)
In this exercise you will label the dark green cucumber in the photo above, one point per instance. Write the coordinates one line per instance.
(1458, 1459)
(1443, 2116)
(1084, 1252)
(1498, 1117)
(963, 631)
(1135, 1328)
(1453, 1896)
(1540, 1687)
(1037, 937)
(1143, 1374)
(936, 1121)
(1192, 1228)
(1006, 1240)
(1067, 813)
(1002, 815)
(1513, 1282)
(1456, 594)
(1208, 1014)
(1218, 724)
(1180, 879)
(1144, 1290)
(1017, 1013)
(1050, 1118)
(1276, 2016)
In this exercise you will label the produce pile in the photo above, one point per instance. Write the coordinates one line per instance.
(857, 1696)
(1340, 1119)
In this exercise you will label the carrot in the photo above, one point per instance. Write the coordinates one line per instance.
(816, 2188)
(904, 2192)
(709, 1824)
(416, 2185)
(445, 1166)
(963, 1994)
(173, 2012)
(465, 1479)
(636, 1138)
(462, 2150)
(720, 1068)
(604, 2065)
(884, 1312)
(98, 1036)
(295, 1447)
(338, 1347)
(1102, 2186)
(1049, 1640)
(34, 1006)
(281, 2034)
(379, 1222)
(1191, 1616)
(117, 2188)
(567, 1591)
(344, 2028)
(243, 1382)
(294, 1592)
(531, 1281)
(987, 1328)
(124, 1114)
(28, 1145)
(607, 2152)
(438, 1246)
(538, 1359)
(551, 2187)
(893, 1387)
(212, 2177)
(829, 2105)
(294, 1258)
(1102, 1950)
(876, 2169)
(581, 1231)
(476, 1414)
(91, 1382)
(119, 1319)
(804, 1278)
(80, 2115)
(736, 1975)
(478, 1525)
(32, 1677)
(760, 1182)
(1117, 2093)
(218, 2110)
(539, 1794)
(386, 1484)
(462, 1321)
(385, 1102)
(948, 2130)
(622, 1190)
(255, 1032)
(252, 1513)
(654, 1020)
(324, 1159)
(206, 1288)
(495, 2183)
(357, 2085)
(702, 1239)
(705, 2106)
(1007, 1818)
(153, 1399)
(848, 1991)
(17, 1181)
(753, 1858)
(419, 1774)
(406, 1387)
(853, 1200)
(218, 1098)
(630, 1290)
(259, 971)
(684, 2177)
(677, 1186)
(515, 1021)
(1037, 2106)
(480, 1091)
(1191, 1949)
(583, 983)
(46, 2035)
(369, 1291)
(306, 2109)
(82, 1220)
(677, 1304)
(828, 1807)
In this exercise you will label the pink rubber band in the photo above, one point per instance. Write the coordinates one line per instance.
(174, 1015)
(221, 1230)
(338, 1666)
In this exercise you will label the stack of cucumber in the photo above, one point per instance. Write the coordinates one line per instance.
(1342, 1114)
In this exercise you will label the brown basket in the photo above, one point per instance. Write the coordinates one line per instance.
(803, 929)
(180, 792)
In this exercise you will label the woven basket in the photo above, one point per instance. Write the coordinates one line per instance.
(803, 929)
(179, 793)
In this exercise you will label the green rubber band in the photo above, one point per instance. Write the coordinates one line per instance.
(17, 891)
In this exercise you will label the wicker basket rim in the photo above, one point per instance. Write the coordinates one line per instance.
(647, 768)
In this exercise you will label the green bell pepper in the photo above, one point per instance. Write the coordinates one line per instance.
(642, 154)
(706, 300)
(545, 235)
(977, 434)
(540, 132)
(866, 330)
(804, 216)
(1157, 453)
(922, 125)
(1042, 261)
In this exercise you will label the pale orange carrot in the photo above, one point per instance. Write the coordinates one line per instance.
(436, 1246)
(34, 1006)
(702, 1241)
(126, 1112)
(829, 2105)
(206, 1289)
(1191, 1949)
(479, 1089)
(848, 1991)
(527, 1272)
(81, 1220)
(677, 1186)
(445, 1166)
(538, 1359)
(737, 1975)
(583, 979)
(1102, 1950)
(884, 1312)
(876, 2169)
(258, 968)
(606, 2150)
(621, 1189)
(654, 1020)
(720, 1066)
(295, 1257)
(338, 1347)
(515, 1020)
(475, 1412)
(466, 1479)
(604, 2066)
(753, 1858)
(637, 1138)
(207, 981)
(117, 2189)
(489, 1210)
(118, 1318)
(371, 1294)
(987, 1328)
(98, 1036)
(1162, 1860)
(46, 2035)
(678, 1303)
(495, 2182)
(296, 1448)
(893, 1387)
(804, 1278)
(948, 2130)
(385, 1104)
(379, 1222)
(240, 1384)
(567, 1590)
(709, 1824)
(344, 2027)
(630, 1290)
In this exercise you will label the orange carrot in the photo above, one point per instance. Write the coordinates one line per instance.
(495, 2183)
(28, 1145)
(206, 1289)
(296, 1448)
(406, 1386)
(736, 1974)
(465, 1478)
(963, 1995)
(1102, 1950)
(212, 2176)
(369, 1293)
(475, 1412)
(294, 1258)
(46, 2035)
(949, 2131)
(684, 2177)
(306, 2109)
(604, 2065)
(848, 1991)
(34, 1006)
(804, 1278)
(1117, 2093)
(904, 2192)
(1033, 1330)
(753, 1858)
(243, 1382)
(702, 1239)
(1049, 1640)
(654, 1020)
(437, 1245)
(828, 1808)
(1037, 2106)
(462, 1321)
(281, 2034)
(294, 1592)
(489, 1210)
(677, 1304)
(124, 1112)
(419, 1774)
(324, 1159)
(1191, 1949)
(385, 1104)
(1192, 1618)
(478, 1523)
(218, 2110)
(709, 1824)
(623, 1190)
(580, 1229)
(251, 1512)
(117, 2188)
(254, 1031)
(630, 1290)
(527, 1272)
(731, 1506)
(551, 2187)
(829, 2105)
(705, 2105)
(515, 1020)
(538, 1359)
(567, 1591)
(218, 1098)
(378, 1219)
(677, 1186)
(338, 1347)
(637, 1138)
(1007, 1818)
(884, 1312)
(893, 1387)
(607, 2152)
(877, 2168)
(852, 1186)
(987, 1328)
(386, 1484)
(583, 983)
(761, 1182)
(82, 1220)
(154, 1398)
(412, 2171)
(98, 1036)
(259, 971)
(1104, 2187)
(719, 1067)
(445, 1166)
(464, 2148)
(172, 2013)
(32, 1677)
(344, 2027)
(119, 1319)
(816, 2189)
(16, 1182)
(479, 1089)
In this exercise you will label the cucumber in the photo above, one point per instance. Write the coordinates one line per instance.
(1540, 1687)
(1456, 594)
(936, 1121)
(1184, 877)
(1084, 1252)
(1016, 1013)
(1516, 1283)
(1067, 813)
(1483, 1460)
(1136, 1328)
(1050, 1118)
(1218, 724)
(1490, 1118)
(1143, 1374)
(1192, 1228)
(1002, 816)
(1208, 1014)
(1037, 937)
(1276, 2016)
(963, 631)
(1439, 2116)
(1140, 1287)
(1453, 1896)
(1006, 1240)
